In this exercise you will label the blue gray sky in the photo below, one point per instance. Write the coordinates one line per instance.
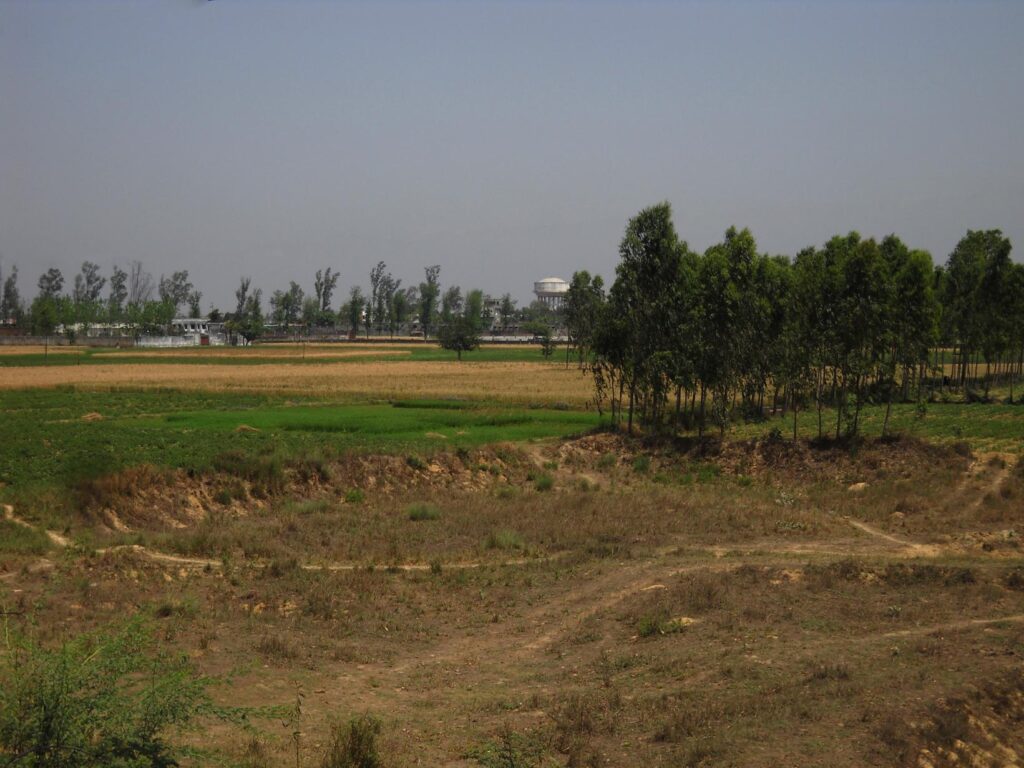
(505, 141)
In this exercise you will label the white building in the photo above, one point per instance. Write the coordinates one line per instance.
(551, 291)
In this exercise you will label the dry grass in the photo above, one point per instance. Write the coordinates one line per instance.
(692, 614)
(510, 382)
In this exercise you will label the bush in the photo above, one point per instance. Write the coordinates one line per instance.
(544, 483)
(424, 512)
(641, 464)
(98, 700)
(505, 539)
(355, 496)
(607, 461)
(415, 462)
(354, 744)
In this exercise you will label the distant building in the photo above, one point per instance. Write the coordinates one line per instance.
(551, 292)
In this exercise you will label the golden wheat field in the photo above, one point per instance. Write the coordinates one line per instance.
(521, 382)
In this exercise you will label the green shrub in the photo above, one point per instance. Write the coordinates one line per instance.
(354, 744)
(654, 624)
(544, 483)
(355, 496)
(415, 462)
(84, 704)
(550, 466)
(505, 539)
(642, 464)
(607, 461)
(424, 512)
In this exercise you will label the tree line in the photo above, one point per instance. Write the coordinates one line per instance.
(685, 339)
(134, 303)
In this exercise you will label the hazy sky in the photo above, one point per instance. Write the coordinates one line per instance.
(505, 141)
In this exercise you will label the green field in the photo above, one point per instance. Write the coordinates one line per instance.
(45, 442)
(315, 355)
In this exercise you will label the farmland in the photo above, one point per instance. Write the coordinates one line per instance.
(461, 551)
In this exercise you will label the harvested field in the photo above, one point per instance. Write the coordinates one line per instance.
(507, 382)
(262, 353)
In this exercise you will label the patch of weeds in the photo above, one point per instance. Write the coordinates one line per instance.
(652, 625)
(1015, 579)
(275, 647)
(255, 755)
(707, 472)
(550, 466)
(265, 472)
(585, 485)
(833, 671)
(506, 492)
(607, 461)
(423, 511)
(354, 744)
(19, 540)
(642, 464)
(319, 603)
(223, 496)
(355, 496)
(505, 539)
(186, 609)
(544, 483)
(415, 462)
(510, 750)
(313, 467)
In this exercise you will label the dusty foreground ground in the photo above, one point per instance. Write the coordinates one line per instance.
(589, 603)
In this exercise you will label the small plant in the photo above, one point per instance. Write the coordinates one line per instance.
(422, 511)
(354, 496)
(505, 539)
(223, 496)
(415, 462)
(607, 461)
(642, 464)
(275, 647)
(652, 625)
(544, 483)
(550, 466)
(354, 744)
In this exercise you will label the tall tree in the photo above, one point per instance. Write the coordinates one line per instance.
(194, 310)
(174, 290)
(582, 308)
(324, 285)
(88, 284)
(51, 283)
(118, 294)
(10, 299)
(506, 310)
(140, 284)
(430, 289)
(287, 305)
(355, 306)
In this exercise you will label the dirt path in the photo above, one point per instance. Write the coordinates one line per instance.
(909, 548)
(64, 542)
